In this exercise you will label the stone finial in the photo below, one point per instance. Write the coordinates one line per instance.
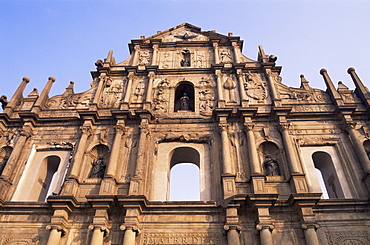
(350, 70)
(52, 79)
(26, 79)
(323, 70)
(230, 34)
(304, 83)
(34, 93)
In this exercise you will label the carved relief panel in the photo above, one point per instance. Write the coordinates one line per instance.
(255, 88)
(111, 94)
(192, 58)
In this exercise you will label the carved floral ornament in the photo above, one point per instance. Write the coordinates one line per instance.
(348, 238)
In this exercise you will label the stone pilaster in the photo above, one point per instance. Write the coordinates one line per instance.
(220, 96)
(149, 93)
(126, 98)
(108, 185)
(215, 50)
(273, 92)
(358, 146)
(310, 234)
(243, 95)
(138, 181)
(236, 52)
(72, 180)
(99, 89)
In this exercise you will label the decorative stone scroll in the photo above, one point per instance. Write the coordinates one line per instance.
(182, 238)
(348, 238)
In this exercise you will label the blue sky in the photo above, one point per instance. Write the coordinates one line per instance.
(64, 38)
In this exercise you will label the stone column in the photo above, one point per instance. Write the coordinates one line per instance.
(215, 50)
(289, 149)
(78, 158)
(310, 234)
(225, 144)
(55, 235)
(137, 182)
(155, 54)
(252, 150)
(271, 83)
(99, 89)
(116, 149)
(17, 95)
(130, 234)
(135, 58)
(149, 92)
(358, 147)
(232, 234)
(126, 99)
(236, 52)
(265, 234)
(98, 233)
(243, 95)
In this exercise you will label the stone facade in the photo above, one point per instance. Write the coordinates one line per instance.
(93, 168)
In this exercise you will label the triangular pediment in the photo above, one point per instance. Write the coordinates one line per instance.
(184, 32)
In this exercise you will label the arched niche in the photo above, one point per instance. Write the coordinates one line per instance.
(271, 159)
(4, 157)
(171, 154)
(97, 161)
(43, 175)
(183, 89)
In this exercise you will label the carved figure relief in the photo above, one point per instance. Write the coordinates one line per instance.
(160, 103)
(230, 86)
(254, 87)
(200, 60)
(160, 100)
(225, 56)
(139, 92)
(112, 94)
(166, 64)
(348, 238)
(144, 58)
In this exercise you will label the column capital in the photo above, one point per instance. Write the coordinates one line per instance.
(134, 228)
(102, 228)
(248, 127)
(306, 226)
(232, 227)
(59, 228)
(86, 130)
(284, 126)
(26, 131)
(119, 129)
(223, 127)
(262, 226)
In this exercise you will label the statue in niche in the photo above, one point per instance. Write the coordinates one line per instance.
(97, 169)
(144, 58)
(185, 62)
(184, 103)
(139, 91)
(271, 167)
(225, 56)
(3, 163)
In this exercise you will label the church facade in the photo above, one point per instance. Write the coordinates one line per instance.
(276, 164)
